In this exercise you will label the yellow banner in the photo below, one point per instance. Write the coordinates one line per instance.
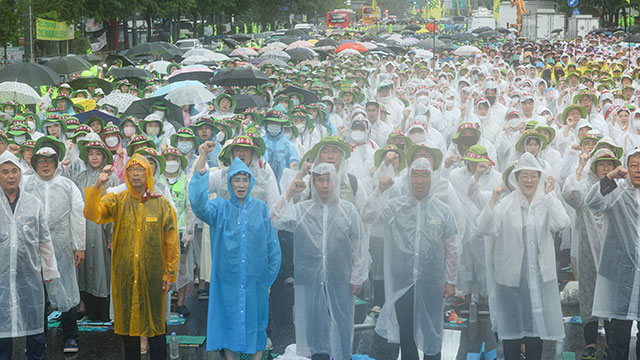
(496, 9)
(53, 30)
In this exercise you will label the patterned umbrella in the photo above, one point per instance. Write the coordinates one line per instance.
(299, 43)
(188, 95)
(276, 54)
(119, 100)
(244, 51)
(18, 92)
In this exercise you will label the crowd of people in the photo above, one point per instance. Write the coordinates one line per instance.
(426, 176)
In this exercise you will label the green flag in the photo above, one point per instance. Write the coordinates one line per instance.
(269, 27)
(237, 29)
(215, 30)
(245, 28)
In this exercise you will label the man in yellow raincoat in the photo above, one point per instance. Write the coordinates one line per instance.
(145, 253)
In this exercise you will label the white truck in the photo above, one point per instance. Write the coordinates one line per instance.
(482, 17)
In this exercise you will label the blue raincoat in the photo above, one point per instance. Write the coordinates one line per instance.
(280, 153)
(246, 260)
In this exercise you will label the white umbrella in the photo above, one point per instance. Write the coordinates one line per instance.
(274, 46)
(188, 95)
(423, 54)
(18, 92)
(120, 100)
(299, 43)
(467, 50)
(369, 45)
(349, 52)
(276, 54)
(209, 54)
(410, 41)
(159, 66)
(244, 51)
(195, 59)
(218, 57)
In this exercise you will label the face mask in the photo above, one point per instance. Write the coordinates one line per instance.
(619, 102)
(10, 112)
(422, 99)
(20, 139)
(31, 125)
(274, 129)
(185, 147)
(492, 99)
(153, 132)
(288, 135)
(159, 113)
(172, 166)
(220, 137)
(296, 102)
(301, 128)
(514, 122)
(111, 141)
(358, 136)
(129, 131)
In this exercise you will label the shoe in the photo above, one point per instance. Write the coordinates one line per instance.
(589, 353)
(182, 309)
(70, 347)
(203, 294)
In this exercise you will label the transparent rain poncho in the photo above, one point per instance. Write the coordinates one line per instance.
(420, 252)
(63, 205)
(27, 259)
(521, 262)
(618, 283)
(330, 255)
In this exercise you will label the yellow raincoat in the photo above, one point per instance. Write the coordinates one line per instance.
(145, 251)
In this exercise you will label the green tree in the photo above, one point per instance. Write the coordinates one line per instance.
(11, 12)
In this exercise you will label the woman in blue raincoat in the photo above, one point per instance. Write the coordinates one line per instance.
(246, 260)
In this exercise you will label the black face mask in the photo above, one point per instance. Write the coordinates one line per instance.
(492, 99)
(467, 140)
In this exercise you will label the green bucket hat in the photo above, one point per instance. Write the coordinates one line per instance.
(149, 152)
(590, 135)
(528, 134)
(254, 142)
(149, 119)
(565, 113)
(184, 133)
(618, 151)
(276, 116)
(97, 145)
(328, 141)
(477, 154)
(140, 139)
(175, 152)
(437, 154)
(462, 127)
(603, 154)
(585, 92)
(380, 154)
(225, 96)
(52, 142)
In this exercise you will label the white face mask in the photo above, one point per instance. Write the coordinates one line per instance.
(31, 125)
(288, 135)
(153, 131)
(301, 128)
(295, 102)
(159, 113)
(636, 124)
(111, 141)
(20, 139)
(422, 100)
(274, 129)
(619, 102)
(172, 167)
(185, 147)
(220, 137)
(514, 122)
(358, 136)
(129, 131)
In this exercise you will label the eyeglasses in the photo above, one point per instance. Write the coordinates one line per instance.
(48, 160)
(634, 167)
(136, 169)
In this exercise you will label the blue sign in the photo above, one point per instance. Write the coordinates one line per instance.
(572, 3)
(575, 12)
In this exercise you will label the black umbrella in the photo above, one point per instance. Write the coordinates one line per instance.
(35, 75)
(294, 32)
(203, 75)
(285, 40)
(148, 48)
(397, 49)
(84, 116)
(239, 76)
(70, 64)
(502, 30)
(81, 83)
(129, 72)
(231, 42)
(92, 58)
(489, 34)
(482, 29)
(382, 50)
(430, 44)
(141, 108)
(309, 96)
(241, 37)
(326, 42)
(414, 27)
(635, 38)
(246, 101)
(299, 54)
(111, 58)
(463, 37)
(558, 30)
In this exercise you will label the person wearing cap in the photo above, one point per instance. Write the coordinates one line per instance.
(584, 145)
(489, 122)
(26, 152)
(152, 126)
(467, 135)
(590, 230)
(280, 153)
(28, 259)
(94, 273)
(64, 105)
(225, 106)
(417, 226)
(177, 177)
(63, 202)
(473, 183)
(187, 143)
(33, 123)
(247, 256)
(331, 263)
(145, 254)
(521, 263)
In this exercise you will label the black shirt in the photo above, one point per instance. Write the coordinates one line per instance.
(15, 201)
